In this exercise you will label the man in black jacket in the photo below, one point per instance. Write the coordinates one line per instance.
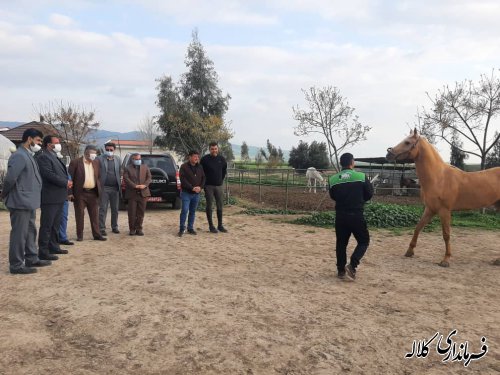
(350, 190)
(55, 185)
(215, 168)
(192, 181)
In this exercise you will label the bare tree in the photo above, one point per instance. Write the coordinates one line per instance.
(149, 130)
(469, 110)
(330, 115)
(73, 123)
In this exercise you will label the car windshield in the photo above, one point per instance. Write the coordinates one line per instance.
(159, 161)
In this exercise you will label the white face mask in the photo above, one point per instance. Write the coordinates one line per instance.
(59, 155)
(35, 148)
(92, 156)
(57, 147)
(109, 153)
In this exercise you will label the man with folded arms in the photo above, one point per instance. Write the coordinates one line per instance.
(21, 193)
(137, 177)
(85, 174)
(55, 185)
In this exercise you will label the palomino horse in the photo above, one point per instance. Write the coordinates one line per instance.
(444, 188)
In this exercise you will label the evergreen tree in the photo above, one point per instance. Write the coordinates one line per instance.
(192, 112)
(493, 158)
(244, 152)
(457, 156)
(299, 156)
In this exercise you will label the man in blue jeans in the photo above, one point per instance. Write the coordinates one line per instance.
(192, 182)
(63, 236)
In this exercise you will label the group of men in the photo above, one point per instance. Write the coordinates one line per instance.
(38, 178)
(94, 183)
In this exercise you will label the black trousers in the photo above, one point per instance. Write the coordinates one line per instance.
(345, 225)
(50, 220)
(217, 192)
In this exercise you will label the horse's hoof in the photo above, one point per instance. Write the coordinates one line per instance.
(409, 253)
(444, 263)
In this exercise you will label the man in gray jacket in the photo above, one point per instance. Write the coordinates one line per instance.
(110, 181)
(21, 194)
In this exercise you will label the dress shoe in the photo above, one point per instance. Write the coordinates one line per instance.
(103, 233)
(181, 232)
(139, 233)
(213, 230)
(66, 242)
(132, 233)
(100, 238)
(59, 251)
(23, 270)
(38, 263)
(222, 229)
(115, 230)
(192, 231)
(350, 271)
(48, 257)
(79, 239)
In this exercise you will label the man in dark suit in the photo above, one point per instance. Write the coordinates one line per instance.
(85, 191)
(137, 177)
(55, 185)
(110, 165)
(21, 193)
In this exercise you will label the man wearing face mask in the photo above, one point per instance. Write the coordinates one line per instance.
(86, 190)
(55, 185)
(63, 235)
(137, 177)
(21, 193)
(110, 181)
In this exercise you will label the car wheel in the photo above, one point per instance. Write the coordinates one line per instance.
(176, 205)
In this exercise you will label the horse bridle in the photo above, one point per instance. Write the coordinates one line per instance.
(389, 150)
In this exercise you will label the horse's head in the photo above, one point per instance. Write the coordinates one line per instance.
(406, 149)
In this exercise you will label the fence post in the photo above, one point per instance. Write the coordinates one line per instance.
(286, 191)
(227, 189)
(260, 187)
(241, 182)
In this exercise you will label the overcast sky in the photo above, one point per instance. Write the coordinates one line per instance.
(382, 55)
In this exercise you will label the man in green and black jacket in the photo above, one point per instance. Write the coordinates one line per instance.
(350, 190)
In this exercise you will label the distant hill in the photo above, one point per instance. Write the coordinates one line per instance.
(11, 124)
(99, 137)
(253, 151)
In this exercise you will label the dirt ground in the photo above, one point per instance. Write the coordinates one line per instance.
(261, 299)
(300, 199)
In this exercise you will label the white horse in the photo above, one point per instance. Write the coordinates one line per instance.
(314, 177)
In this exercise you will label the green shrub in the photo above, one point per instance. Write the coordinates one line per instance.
(269, 211)
(379, 215)
(203, 202)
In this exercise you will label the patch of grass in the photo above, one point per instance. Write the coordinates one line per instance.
(400, 218)
(2, 206)
(203, 202)
(269, 211)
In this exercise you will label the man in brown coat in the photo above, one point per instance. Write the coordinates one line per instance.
(137, 177)
(85, 174)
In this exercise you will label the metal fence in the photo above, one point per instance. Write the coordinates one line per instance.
(288, 188)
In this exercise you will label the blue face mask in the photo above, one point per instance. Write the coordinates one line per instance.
(137, 162)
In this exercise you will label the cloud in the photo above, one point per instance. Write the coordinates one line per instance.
(214, 12)
(382, 56)
(61, 20)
